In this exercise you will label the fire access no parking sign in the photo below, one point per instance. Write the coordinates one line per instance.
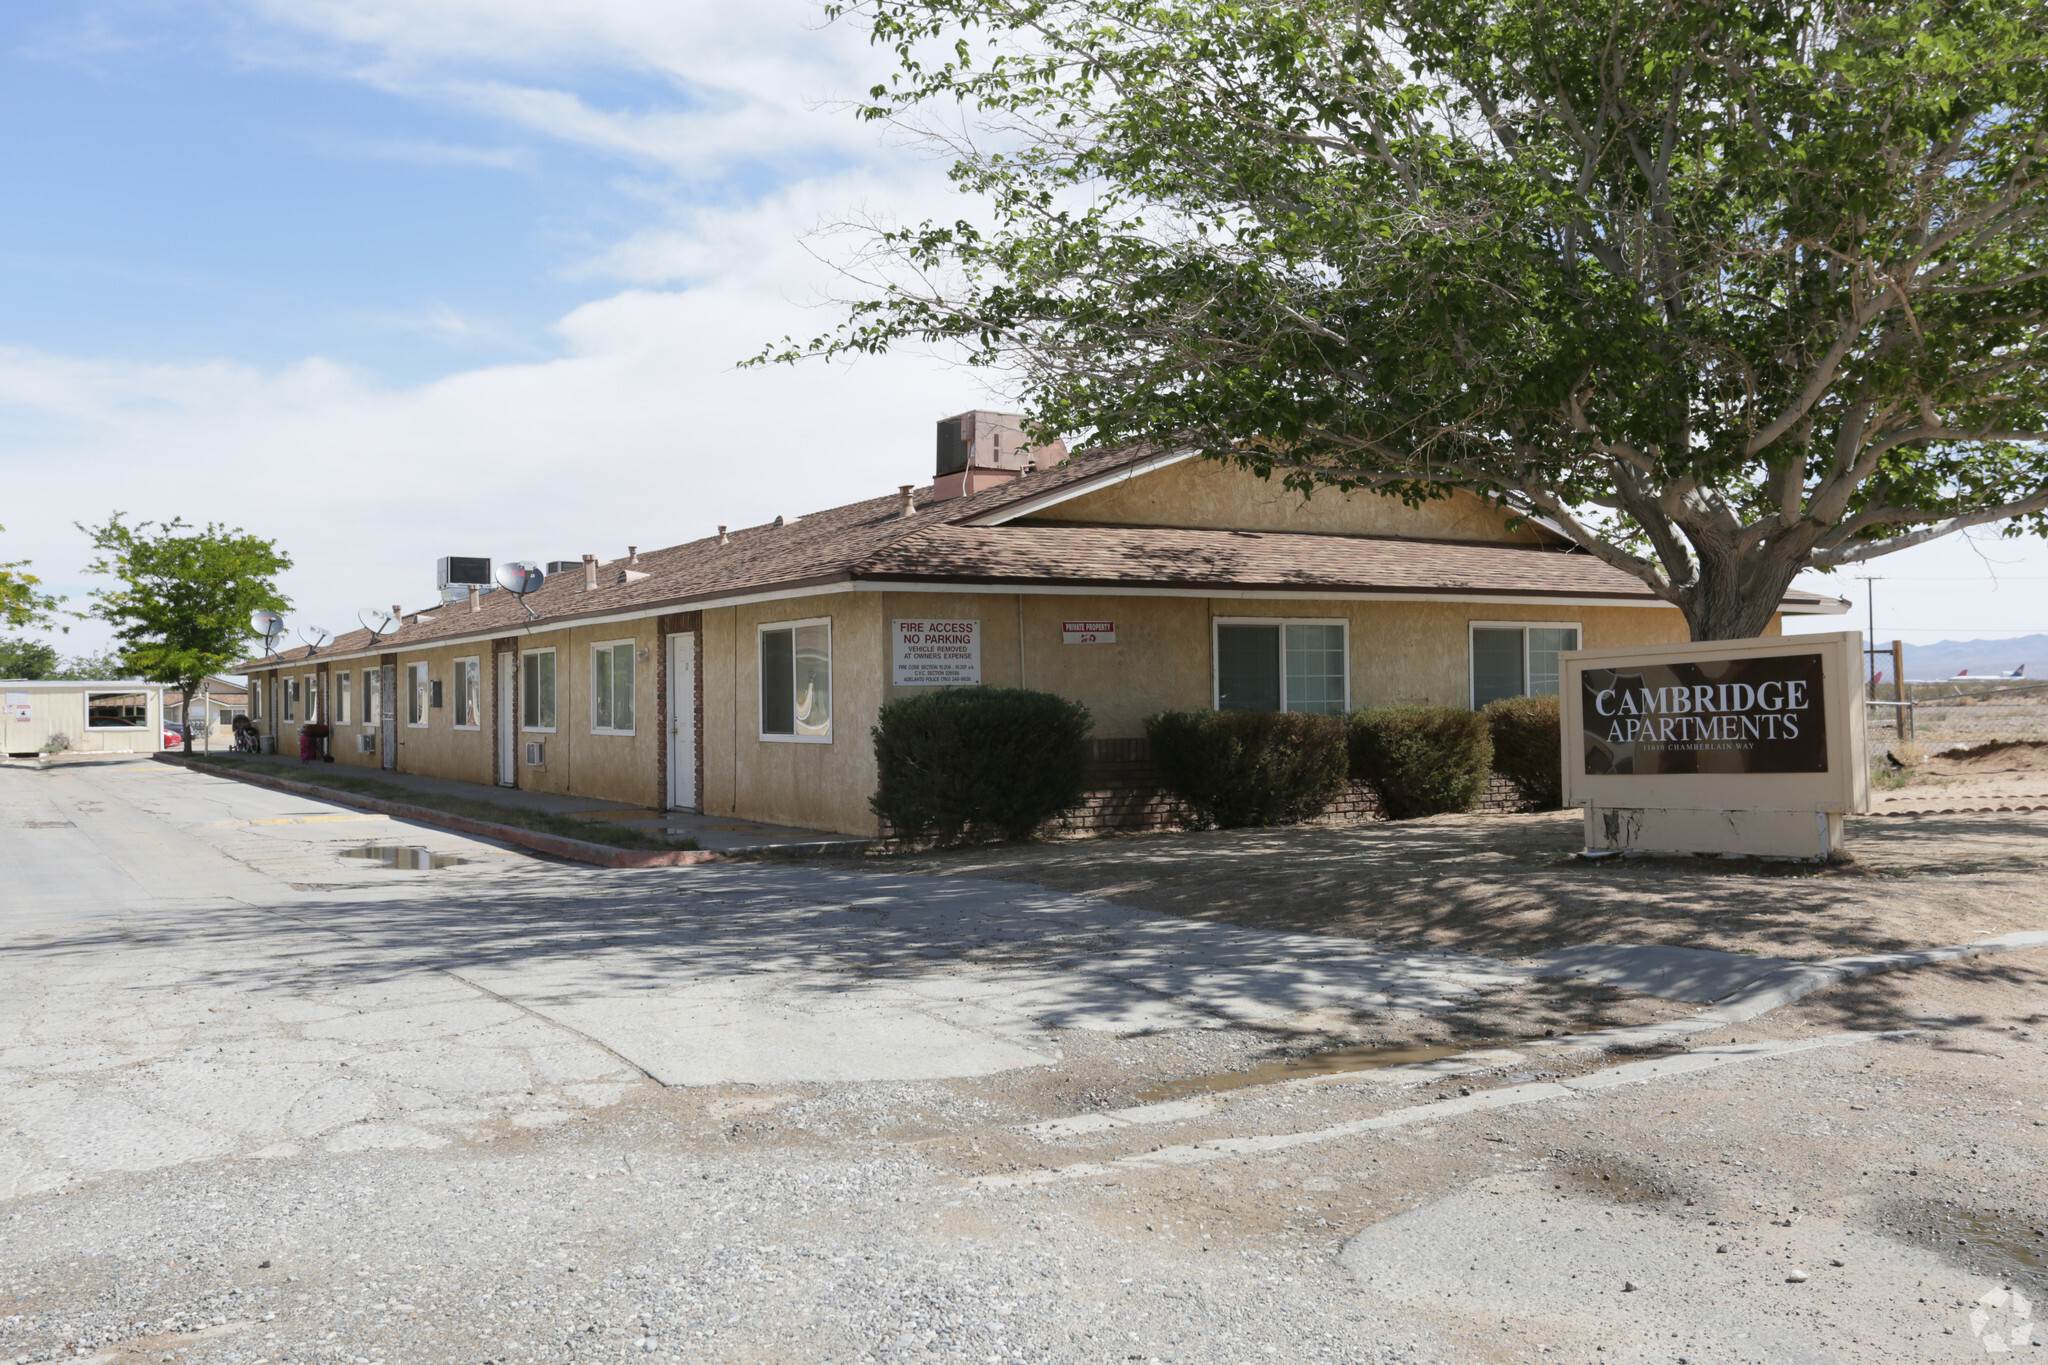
(937, 653)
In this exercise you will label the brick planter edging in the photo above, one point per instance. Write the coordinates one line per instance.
(577, 850)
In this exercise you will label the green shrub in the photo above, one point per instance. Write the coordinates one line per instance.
(979, 762)
(1421, 760)
(1526, 748)
(1239, 768)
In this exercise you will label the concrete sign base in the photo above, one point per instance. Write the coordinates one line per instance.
(1740, 747)
(1757, 833)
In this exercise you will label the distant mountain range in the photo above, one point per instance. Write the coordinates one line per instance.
(1947, 658)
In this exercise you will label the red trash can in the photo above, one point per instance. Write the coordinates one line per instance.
(309, 747)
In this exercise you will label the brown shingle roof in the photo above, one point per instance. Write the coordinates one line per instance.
(1087, 555)
(819, 548)
(870, 540)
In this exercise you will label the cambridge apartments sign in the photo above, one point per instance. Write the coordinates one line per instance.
(1734, 746)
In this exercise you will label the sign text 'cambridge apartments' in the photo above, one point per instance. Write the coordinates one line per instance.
(1756, 715)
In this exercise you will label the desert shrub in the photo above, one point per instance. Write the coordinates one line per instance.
(1239, 768)
(979, 762)
(1526, 748)
(1421, 760)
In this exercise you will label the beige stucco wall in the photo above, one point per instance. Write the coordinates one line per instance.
(610, 767)
(1162, 660)
(62, 711)
(813, 785)
(1202, 493)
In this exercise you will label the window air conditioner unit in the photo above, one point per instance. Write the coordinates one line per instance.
(460, 571)
(366, 744)
(536, 753)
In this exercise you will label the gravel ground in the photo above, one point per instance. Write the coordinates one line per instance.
(1876, 1195)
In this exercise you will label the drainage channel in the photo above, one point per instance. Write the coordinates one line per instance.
(404, 857)
(1333, 1062)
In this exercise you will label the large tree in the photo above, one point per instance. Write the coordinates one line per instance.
(1722, 290)
(22, 600)
(182, 597)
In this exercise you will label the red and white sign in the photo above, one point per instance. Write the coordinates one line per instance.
(1087, 632)
(937, 653)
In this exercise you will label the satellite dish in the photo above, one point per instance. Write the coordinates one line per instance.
(376, 620)
(315, 636)
(269, 625)
(520, 577)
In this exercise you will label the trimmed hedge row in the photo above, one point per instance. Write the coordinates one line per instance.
(1250, 768)
(998, 763)
(975, 763)
(1422, 760)
(1240, 768)
(1526, 748)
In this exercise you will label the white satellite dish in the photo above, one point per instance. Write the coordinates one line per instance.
(376, 620)
(521, 577)
(315, 636)
(269, 625)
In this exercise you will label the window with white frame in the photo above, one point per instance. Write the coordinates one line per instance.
(468, 701)
(1283, 665)
(257, 687)
(312, 698)
(611, 688)
(116, 710)
(1518, 658)
(373, 696)
(796, 681)
(537, 691)
(290, 687)
(344, 699)
(416, 696)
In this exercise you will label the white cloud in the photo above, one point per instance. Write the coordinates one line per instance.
(642, 432)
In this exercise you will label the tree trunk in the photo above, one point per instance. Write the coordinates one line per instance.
(1731, 604)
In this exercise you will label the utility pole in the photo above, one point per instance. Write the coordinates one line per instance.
(1870, 640)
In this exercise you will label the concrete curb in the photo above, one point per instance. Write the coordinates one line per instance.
(576, 850)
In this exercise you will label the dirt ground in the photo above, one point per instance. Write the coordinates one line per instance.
(1994, 775)
(1512, 885)
(2006, 714)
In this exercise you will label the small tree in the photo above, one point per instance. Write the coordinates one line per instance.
(27, 659)
(1723, 291)
(182, 604)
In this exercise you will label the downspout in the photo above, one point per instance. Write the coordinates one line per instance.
(1021, 683)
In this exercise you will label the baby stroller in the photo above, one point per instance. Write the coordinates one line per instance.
(246, 741)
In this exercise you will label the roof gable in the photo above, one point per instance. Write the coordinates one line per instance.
(1183, 491)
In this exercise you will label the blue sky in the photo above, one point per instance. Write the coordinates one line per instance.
(484, 265)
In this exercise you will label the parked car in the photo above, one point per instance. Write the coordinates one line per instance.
(174, 734)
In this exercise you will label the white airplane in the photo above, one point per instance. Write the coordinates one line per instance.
(2017, 672)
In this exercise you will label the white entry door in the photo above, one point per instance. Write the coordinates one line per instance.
(682, 722)
(508, 720)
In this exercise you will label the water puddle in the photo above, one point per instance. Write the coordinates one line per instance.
(1336, 1061)
(2013, 1248)
(404, 857)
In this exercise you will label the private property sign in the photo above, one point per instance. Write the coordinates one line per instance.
(937, 653)
(1088, 632)
(1732, 746)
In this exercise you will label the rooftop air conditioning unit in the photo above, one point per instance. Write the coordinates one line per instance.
(536, 753)
(367, 744)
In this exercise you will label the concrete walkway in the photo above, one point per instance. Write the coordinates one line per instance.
(719, 834)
